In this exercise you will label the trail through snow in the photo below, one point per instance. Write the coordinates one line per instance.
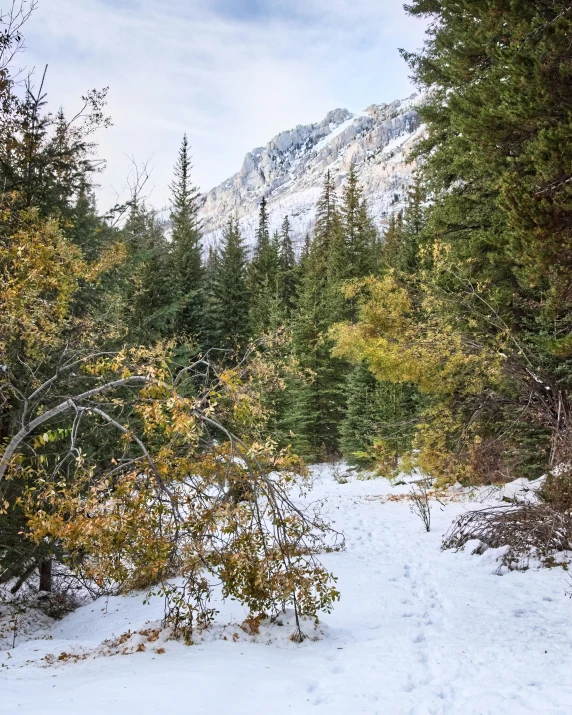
(418, 631)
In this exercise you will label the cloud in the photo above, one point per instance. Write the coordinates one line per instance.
(231, 73)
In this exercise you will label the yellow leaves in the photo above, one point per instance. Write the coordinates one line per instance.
(40, 273)
(230, 378)
(418, 346)
(109, 259)
(440, 253)
(407, 338)
(179, 494)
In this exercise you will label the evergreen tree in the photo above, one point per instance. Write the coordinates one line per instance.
(211, 333)
(188, 274)
(379, 424)
(373, 427)
(103, 301)
(302, 264)
(231, 329)
(263, 275)
(87, 229)
(45, 160)
(328, 252)
(404, 235)
(359, 231)
(483, 271)
(306, 248)
(359, 234)
(316, 403)
(149, 305)
(392, 244)
(497, 164)
(287, 268)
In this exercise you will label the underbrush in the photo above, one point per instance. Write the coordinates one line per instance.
(530, 534)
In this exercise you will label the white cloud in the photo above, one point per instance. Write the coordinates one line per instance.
(231, 73)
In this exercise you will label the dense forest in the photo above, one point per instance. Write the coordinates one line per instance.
(158, 399)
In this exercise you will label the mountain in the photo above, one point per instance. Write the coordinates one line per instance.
(289, 170)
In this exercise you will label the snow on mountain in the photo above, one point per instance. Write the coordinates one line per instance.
(289, 170)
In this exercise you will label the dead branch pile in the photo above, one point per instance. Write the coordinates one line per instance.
(528, 531)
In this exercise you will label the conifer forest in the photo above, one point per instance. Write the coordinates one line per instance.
(293, 459)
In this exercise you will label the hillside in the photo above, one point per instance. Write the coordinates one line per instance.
(290, 168)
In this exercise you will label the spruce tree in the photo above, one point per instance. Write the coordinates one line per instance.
(230, 310)
(148, 302)
(263, 274)
(328, 252)
(359, 231)
(93, 234)
(380, 419)
(210, 332)
(359, 427)
(404, 236)
(359, 234)
(497, 249)
(188, 274)
(392, 243)
(317, 402)
(286, 267)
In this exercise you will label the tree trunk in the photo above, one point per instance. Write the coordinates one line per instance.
(46, 575)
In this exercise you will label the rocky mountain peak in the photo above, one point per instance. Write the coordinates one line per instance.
(289, 170)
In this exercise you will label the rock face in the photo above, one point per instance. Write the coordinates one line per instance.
(289, 170)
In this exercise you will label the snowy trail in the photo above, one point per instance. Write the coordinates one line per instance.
(418, 631)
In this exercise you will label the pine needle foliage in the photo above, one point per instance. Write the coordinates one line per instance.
(186, 253)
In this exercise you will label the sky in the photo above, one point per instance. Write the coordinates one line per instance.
(230, 73)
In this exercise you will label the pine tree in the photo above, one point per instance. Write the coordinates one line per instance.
(278, 308)
(210, 332)
(188, 274)
(359, 231)
(328, 252)
(287, 268)
(149, 301)
(89, 231)
(262, 275)
(380, 420)
(358, 429)
(230, 313)
(392, 244)
(45, 160)
(408, 259)
(404, 235)
(306, 247)
(360, 235)
(497, 242)
(316, 403)
(303, 262)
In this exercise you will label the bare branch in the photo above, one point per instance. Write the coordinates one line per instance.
(69, 404)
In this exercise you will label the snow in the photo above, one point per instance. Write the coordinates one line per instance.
(418, 631)
(333, 134)
(289, 170)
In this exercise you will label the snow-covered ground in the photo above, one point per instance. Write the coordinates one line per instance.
(417, 631)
